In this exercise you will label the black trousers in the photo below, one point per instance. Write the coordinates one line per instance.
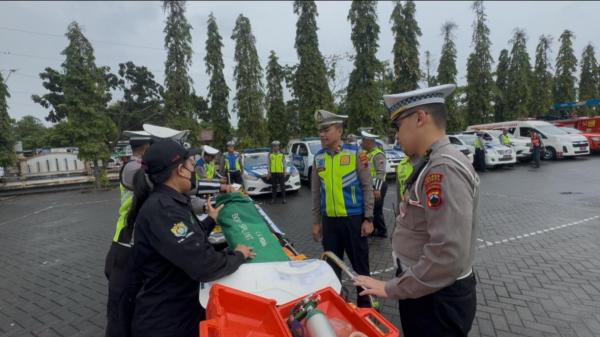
(536, 156)
(342, 235)
(479, 160)
(448, 312)
(378, 219)
(278, 179)
(234, 177)
(123, 286)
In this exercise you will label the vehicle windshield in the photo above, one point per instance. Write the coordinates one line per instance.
(315, 147)
(388, 147)
(551, 130)
(468, 139)
(255, 159)
(572, 131)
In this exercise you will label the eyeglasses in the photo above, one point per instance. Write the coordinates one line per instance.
(396, 124)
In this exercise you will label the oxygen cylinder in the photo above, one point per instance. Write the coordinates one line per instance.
(318, 325)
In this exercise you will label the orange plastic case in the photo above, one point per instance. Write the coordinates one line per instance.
(234, 313)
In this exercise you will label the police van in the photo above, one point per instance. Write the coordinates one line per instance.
(302, 154)
(557, 143)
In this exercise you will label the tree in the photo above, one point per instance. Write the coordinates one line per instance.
(7, 141)
(446, 74)
(249, 91)
(142, 97)
(588, 80)
(310, 84)
(81, 99)
(501, 111)
(363, 99)
(276, 118)
(31, 132)
(218, 91)
(178, 83)
(541, 84)
(519, 77)
(566, 65)
(429, 78)
(480, 83)
(406, 46)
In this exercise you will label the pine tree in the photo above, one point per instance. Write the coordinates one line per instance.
(86, 95)
(501, 110)
(446, 74)
(566, 66)
(218, 91)
(588, 80)
(363, 100)
(429, 78)
(310, 83)
(541, 84)
(7, 140)
(406, 46)
(519, 77)
(480, 83)
(178, 83)
(249, 96)
(276, 118)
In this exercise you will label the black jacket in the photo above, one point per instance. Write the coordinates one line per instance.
(173, 254)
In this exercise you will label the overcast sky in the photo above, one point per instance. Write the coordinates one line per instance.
(32, 34)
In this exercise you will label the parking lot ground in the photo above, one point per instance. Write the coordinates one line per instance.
(537, 264)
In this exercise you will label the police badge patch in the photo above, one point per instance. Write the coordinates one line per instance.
(434, 198)
(179, 229)
(345, 160)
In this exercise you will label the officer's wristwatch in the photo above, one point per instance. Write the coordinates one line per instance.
(369, 219)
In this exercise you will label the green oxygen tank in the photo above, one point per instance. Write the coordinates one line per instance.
(318, 325)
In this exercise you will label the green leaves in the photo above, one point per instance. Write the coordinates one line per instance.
(249, 96)
(518, 96)
(566, 65)
(406, 46)
(589, 78)
(446, 73)
(276, 115)
(7, 140)
(542, 81)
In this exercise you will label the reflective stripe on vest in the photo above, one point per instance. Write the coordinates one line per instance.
(276, 162)
(370, 155)
(341, 194)
(403, 171)
(126, 201)
(231, 162)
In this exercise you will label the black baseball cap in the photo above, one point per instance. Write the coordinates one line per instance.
(165, 153)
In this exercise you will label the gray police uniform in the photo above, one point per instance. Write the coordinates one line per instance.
(434, 243)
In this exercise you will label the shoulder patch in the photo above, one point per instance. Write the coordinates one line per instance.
(179, 229)
(433, 180)
(434, 198)
(362, 156)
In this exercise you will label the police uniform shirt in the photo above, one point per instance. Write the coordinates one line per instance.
(436, 231)
(379, 165)
(366, 184)
(129, 170)
(173, 253)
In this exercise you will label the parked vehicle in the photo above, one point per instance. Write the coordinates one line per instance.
(496, 154)
(256, 169)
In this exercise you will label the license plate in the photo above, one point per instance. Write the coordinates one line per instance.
(507, 157)
(582, 148)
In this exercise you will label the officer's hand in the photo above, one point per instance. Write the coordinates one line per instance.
(211, 211)
(246, 251)
(367, 228)
(225, 188)
(377, 195)
(372, 286)
(316, 232)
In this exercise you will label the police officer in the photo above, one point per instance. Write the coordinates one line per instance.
(479, 153)
(376, 158)
(205, 166)
(123, 281)
(232, 167)
(434, 240)
(342, 197)
(276, 169)
(536, 144)
(171, 246)
(504, 140)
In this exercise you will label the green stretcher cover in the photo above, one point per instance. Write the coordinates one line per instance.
(242, 224)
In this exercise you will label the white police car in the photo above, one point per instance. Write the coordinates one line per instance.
(302, 154)
(256, 169)
(496, 154)
(460, 145)
(521, 146)
(393, 156)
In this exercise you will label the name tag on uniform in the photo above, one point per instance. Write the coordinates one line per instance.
(345, 160)
(320, 165)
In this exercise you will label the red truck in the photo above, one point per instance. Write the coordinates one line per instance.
(589, 127)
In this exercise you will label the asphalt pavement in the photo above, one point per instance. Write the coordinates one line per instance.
(537, 264)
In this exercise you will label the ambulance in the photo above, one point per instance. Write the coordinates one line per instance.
(557, 143)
